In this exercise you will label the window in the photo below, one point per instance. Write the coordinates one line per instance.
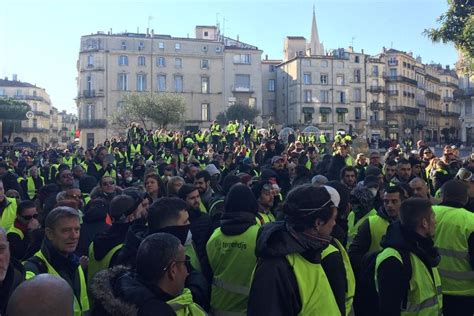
(393, 72)
(205, 112)
(468, 107)
(308, 96)
(324, 117)
(123, 60)
(90, 61)
(271, 85)
(357, 95)
(177, 46)
(356, 59)
(242, 59)
(178, 62)
(161, 62)
(89, 83)
(141, 60)
(35, 123)
(252, 102)
(306, 62)
(341, 117)
(375, 71)
(324, 63)
(271, 68)
(357, 75)
(206, 33)
(124, 45)
(2, 92)
(161, 82)
(307, 78)
(340, 80)
(122, 82)
(341, 96)
(324, 79)
(178, 83)
(358, 113)
(90, 109)
(204, 84)
(324, 96)
(161, 45)
(141, 46)
(242, 83)
(204, 63)
(141, 82)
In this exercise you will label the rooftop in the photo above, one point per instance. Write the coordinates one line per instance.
(15, 83)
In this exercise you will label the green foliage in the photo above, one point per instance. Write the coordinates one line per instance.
(162, 109)
(239, 112)
(457, 26)
(13, 110)
(221, 118)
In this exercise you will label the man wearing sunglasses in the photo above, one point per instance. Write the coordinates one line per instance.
(19, 234)
(156, 287)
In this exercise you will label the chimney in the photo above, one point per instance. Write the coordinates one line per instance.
(6, 78)
(351, 49)
(384, 49)
(15, 77)
(237, 37)
(447, 67)
(362, 51)
(266, 56)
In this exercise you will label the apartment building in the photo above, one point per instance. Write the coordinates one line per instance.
(464, 98)
(210, 70)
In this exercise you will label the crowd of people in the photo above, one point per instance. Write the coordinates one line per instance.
(235, 221)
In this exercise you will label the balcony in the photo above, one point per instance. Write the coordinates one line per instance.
(241, 89)
(449, 84)
(392, 93)
(93, 123)
(91, 94)
(404, 109)
(421, 123)
(377, 123)
(433, 95)
(464, 93)
(393, 62)
(34, 130)
(92, 68)
(450, 114)
(448, 99)
(421, 103)
(30, 97)
(401, 79)
(376, 89)
(41, 113)
(377, 106)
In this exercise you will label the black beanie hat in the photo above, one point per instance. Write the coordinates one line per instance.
(240, 199)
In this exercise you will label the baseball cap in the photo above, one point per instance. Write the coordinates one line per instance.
(276, 158)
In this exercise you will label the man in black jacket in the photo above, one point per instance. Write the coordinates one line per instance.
(338, 161)
(155, 288)
(11, 272)
(10, 179)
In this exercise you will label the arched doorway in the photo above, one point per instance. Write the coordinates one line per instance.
(34, 140)
(18, 140)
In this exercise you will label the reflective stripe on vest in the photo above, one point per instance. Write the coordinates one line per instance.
(378, 227)
(9, 214)
(263, 218)
(183, 305)
(112, 174)
(454, 226)
(232, 259)
(31, 187)
(191, 253)
(424, 295)
(134, 150)
(202, 207)
(98, 265)
(81, 306)
(315, 292)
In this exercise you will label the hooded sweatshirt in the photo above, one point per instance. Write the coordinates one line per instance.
(274, 280)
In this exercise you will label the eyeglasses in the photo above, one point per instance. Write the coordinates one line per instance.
(29, 217)
(108, 183)
(187, 260)
(314, 210)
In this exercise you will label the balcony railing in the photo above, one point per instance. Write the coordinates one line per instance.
(448, 99)
(433, 95)
(404, 109)
(392, 62)
(34, 130)
(41, 113)
(93, 123)
(242, 89)
(30, 97)
(421, 123)
(376, 89)
(91, 67)
(91, 93)
(401, 79)
(449, 84)
(392, 92)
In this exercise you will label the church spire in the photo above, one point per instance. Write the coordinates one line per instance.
(315, 45)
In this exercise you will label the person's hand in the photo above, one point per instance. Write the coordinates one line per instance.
(33, 224)
(84, 262)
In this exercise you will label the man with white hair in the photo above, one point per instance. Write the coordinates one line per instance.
(11, 272)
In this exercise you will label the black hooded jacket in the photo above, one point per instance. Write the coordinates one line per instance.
(15, 275)
(93, 223)
(274, 280)
(108, 239)
(389, 273)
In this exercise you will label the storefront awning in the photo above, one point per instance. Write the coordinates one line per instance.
(342, 110)
(324, 110)
(308, 110)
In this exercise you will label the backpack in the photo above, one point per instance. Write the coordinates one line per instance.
(366, 301)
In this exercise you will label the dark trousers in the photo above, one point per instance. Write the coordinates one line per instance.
(458, 305)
